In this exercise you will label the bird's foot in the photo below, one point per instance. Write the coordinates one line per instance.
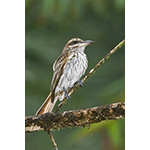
(80, 82)
(66, 95)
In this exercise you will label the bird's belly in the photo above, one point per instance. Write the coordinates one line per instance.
(73, 71)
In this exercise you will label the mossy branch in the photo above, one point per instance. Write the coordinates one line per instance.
(75, 118)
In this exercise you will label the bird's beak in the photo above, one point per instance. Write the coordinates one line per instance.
(88, 42)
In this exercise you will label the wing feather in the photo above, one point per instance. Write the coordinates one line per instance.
(58, 68)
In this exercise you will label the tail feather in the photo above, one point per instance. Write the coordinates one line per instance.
(47, 106)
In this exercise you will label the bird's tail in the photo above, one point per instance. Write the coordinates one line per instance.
(48, 105)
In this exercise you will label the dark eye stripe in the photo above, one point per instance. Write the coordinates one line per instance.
(74, 42)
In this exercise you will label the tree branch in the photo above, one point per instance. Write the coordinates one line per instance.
(69, 119)
(92, 71)
(74, 118)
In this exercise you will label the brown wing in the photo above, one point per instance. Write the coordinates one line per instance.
(58, 68)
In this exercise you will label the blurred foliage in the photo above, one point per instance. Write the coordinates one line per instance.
(49, 25)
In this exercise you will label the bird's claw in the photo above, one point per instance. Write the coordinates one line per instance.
(80, 82)
(66, 95)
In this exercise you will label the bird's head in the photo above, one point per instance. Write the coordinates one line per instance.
(76, 44)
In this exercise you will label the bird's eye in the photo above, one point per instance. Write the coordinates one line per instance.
(74, 42)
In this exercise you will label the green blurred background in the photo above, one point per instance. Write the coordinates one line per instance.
(49, 25)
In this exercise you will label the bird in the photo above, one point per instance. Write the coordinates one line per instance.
(68, 68)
